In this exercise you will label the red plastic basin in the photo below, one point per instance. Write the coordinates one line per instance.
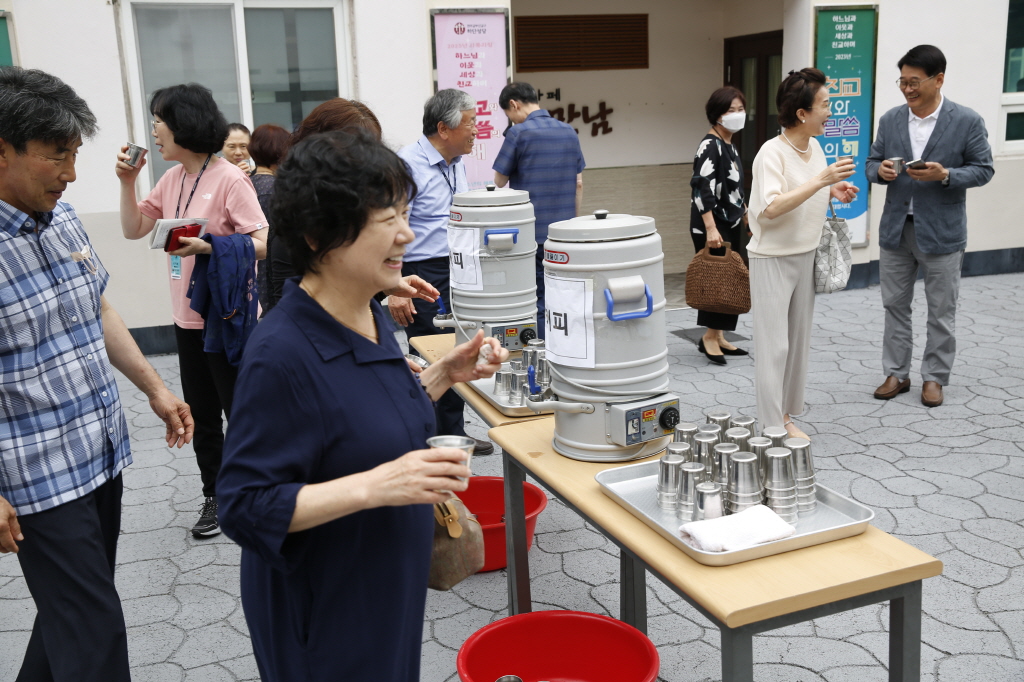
(485, 497)
(558, 646)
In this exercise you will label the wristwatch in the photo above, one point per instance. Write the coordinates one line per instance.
(945, 180)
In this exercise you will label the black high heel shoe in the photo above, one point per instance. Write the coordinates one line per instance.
(734, 351)
(717, 359)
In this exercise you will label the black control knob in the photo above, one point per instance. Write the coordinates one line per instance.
(529, 334)
(669, 418)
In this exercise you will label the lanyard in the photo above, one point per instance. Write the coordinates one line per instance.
(451, 185)
(180, 191)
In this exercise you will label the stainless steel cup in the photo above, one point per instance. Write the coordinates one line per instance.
(777, 435)
(535, 343)
(803, 466)
(759, 446)
(705, 452)
(897, 164)
(518, 389)
(464, 443)
(501, 380)
(529, 357)
(682, 449)
(135, 154)
(779, 470)
(742, 421)
(739, 436)
(720, 473)
(720, 417)
(543, 371)
(709, 504)
(668, 480)
(712, 429)
(515, 364)
(685, 433)
(744, 474)
(690, 474)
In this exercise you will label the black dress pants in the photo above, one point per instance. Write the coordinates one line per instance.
(449, 409)
(208, 385)
(733, 236)
(68, 557)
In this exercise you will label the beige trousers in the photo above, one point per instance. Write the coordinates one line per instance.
(782, 302)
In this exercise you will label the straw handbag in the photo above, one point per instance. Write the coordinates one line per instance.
(833, 257)
(718, 284)
(458, 545)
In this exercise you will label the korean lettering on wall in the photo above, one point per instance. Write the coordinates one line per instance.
(846, 55)
(597, 121)
(471, 54)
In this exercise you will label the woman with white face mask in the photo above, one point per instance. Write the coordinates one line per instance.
(717, 207)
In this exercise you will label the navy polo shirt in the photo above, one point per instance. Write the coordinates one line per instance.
(542, 155)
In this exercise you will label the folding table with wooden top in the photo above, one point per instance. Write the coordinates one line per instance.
(742, 599)
(433, 348)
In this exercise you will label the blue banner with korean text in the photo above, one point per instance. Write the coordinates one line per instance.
(846, 55)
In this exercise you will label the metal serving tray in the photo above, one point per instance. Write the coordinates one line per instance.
(635, 488)
(485, 387)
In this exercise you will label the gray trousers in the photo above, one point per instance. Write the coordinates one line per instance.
(782, 303)
(897, 269)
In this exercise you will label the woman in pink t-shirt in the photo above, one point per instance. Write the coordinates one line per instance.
(190, 129)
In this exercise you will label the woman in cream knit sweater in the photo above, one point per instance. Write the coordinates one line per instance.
(791, 186)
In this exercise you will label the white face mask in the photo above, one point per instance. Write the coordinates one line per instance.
(734, 121)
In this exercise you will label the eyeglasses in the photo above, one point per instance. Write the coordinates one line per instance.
(913, 83)
(154, 124)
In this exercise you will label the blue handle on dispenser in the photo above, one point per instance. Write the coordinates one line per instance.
(633, 315)
(514, 231)
(531, 375)
(440, 306)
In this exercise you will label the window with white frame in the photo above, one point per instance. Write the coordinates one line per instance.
(287, 56)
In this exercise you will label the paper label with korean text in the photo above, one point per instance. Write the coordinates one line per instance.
(569, 321)
(464, 258)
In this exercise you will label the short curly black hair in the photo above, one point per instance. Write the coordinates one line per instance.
(326, 188)
(192, 115)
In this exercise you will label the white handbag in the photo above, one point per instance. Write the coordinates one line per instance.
(834, 255)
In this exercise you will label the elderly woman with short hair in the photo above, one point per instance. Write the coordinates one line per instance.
(331, 499)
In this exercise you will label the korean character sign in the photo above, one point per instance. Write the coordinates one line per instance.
(471, 54)
(846, 55)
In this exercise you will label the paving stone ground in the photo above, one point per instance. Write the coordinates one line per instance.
(949, 480)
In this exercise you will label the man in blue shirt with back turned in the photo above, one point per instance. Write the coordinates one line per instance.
(541, 155)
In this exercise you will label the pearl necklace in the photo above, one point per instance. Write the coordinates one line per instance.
(800, 151)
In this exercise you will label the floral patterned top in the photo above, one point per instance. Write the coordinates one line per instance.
(717, 184)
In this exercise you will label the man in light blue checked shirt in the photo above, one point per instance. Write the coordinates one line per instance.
(63, 437)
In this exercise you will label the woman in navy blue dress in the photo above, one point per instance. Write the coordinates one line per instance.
(325, 481)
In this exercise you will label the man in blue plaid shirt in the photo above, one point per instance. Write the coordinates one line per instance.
(63, 436)
(541, 155)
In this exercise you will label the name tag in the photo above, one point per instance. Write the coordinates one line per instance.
(175, 267)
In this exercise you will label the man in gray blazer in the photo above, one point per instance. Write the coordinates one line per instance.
(924, 222)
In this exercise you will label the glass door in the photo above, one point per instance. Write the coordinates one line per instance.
(753, 63)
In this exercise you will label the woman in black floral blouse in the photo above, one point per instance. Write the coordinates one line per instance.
(717, 206)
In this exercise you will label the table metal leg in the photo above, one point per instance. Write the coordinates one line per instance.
(515, 537)
(905, 635)
(632, 591)
(737, 655)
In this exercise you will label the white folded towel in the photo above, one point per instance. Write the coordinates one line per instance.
(752, 526)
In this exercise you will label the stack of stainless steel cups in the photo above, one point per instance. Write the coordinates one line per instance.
(777, 434)
(780, 484)
(503, 380)
(803, 474)
(720, 417)
(682, 449)
(690, 475)
(744, 489)
(720, 463)
(685, 433)
(739, 436)
(669, 469)
(705, 451)
(759, 446)
(709, 503)
(520, 387)
(742, 421)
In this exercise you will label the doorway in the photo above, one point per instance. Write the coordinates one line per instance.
(753, 63)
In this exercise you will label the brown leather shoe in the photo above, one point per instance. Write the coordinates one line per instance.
(891, 388)
(931, 394)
